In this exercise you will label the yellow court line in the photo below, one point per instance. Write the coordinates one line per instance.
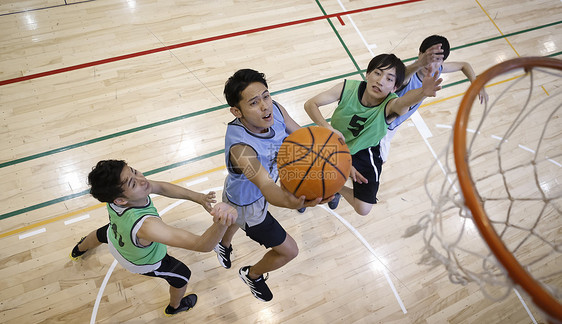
(513, 48)
(462, 93)
(87, 209)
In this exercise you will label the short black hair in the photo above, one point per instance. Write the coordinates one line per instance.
(387, 61)
(238, 82)
(436, 39)
(105, 180)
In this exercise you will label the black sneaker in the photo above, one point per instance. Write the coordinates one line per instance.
(186, 303)
(335, 202)
(223, 254)
(259, 288)
(301, 210)
(75, 254)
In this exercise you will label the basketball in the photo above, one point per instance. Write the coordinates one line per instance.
(313, 162)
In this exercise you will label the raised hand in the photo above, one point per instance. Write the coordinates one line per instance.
(431, 83)
(483, 96)
(206, 200)
(431, 55)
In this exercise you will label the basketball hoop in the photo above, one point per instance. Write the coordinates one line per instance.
(509, 172)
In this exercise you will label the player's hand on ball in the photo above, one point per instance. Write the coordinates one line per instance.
(224, 214)
(314, 202)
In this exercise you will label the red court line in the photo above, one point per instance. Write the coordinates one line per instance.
(199, 41)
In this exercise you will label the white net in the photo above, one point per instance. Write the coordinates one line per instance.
(514, 145)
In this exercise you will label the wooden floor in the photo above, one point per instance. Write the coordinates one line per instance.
(142, 81)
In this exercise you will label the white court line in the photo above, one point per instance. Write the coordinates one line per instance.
(100, 293)
(368, 246)
(369, 46)
(526, 149)
(26, 235)
(524, 305)
(214, 189)
(175, 204)
(421, 126)
(194, 182)
(554, 162)
(530, 150)
(76, 219)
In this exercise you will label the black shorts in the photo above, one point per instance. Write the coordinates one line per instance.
(368, 162)
(268, 233)
(173, 271)
(101, 233)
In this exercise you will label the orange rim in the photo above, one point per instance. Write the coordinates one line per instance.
(540, 296)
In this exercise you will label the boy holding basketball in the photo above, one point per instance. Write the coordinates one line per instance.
(363, 114)
(252, 141)
(136, 235)
(433, 52)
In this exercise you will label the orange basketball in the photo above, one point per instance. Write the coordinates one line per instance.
(314, 162)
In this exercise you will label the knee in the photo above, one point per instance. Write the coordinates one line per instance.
(293, 252)
(363, 210)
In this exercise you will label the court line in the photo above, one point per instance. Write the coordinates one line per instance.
(43, 8)
(341, 41)
(100, 292)
(498, 29)
(358, 31)
(196, 42)
(370, 248)
(39, 231)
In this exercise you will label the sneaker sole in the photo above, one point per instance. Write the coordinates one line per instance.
(172, 315)
(75, 259)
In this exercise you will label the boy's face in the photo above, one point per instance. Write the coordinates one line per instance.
(255, 108)
(135, 187)
(381, 82)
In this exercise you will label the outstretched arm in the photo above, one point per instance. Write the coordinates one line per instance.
(154, 229)
(431, 84)
(467, 70)
(174, 191)
(312, 106)
(244, 158)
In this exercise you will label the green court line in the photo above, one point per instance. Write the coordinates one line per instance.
(341, 40)
(87, 191)
(204, 111)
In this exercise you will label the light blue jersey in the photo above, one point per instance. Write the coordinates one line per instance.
(415, 83)
(238, 189)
